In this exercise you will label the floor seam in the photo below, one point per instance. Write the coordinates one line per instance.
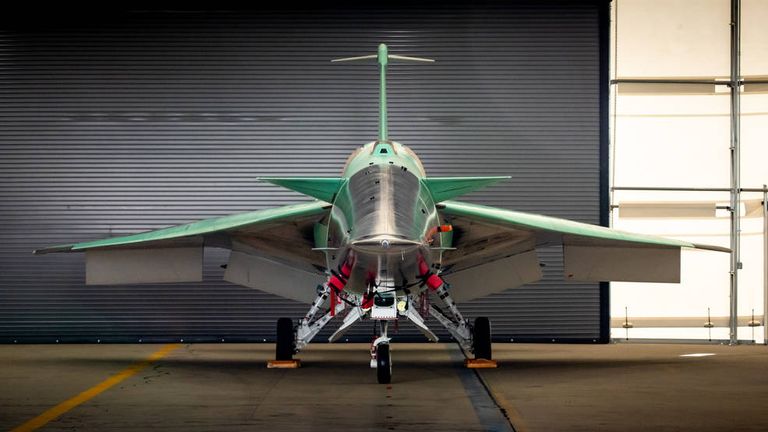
(476, 388)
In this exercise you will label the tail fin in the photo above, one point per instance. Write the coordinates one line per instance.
(383, 57)
(322, 188)
(445, 188)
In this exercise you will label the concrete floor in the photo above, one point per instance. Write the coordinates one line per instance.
(622, 387)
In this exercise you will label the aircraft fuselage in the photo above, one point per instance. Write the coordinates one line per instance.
(384, 217)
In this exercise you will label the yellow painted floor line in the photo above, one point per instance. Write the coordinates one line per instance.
(94, 391)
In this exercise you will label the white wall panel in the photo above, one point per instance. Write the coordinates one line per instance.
(683, 38)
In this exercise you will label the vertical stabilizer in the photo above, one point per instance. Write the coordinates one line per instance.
(383, 58)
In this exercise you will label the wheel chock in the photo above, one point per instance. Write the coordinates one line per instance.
(284, 364)
(480, 364)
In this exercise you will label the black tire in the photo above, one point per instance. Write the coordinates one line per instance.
(285, 339)
(481, 338)
(383, 364)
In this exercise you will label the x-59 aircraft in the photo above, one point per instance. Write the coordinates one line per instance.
(375, 244)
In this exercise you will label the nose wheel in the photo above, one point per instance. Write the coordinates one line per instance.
(383, 364)
(381, 358)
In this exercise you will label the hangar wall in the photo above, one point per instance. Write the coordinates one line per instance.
(143, 120)
(673, 139)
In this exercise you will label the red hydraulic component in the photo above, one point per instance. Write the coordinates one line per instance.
(334, 302)
(423, 268)
(338, 280)
(346, 267)
(367, 302)
(432, 280)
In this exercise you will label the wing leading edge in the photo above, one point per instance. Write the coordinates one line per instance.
(486, 235)
(535, 222)
(199, 228)
(269, 247)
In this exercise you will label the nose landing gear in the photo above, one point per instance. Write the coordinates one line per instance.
(381, 358)
(383, 364)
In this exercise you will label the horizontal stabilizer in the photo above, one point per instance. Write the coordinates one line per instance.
(322, 188)
(445, 188)
(388, 56)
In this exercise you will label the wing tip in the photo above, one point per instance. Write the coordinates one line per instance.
(711, 247)
(53, 249)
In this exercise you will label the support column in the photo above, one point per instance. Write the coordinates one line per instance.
(735, 168)
(765, 264)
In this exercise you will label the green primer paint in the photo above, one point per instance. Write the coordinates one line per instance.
(445, 188)
(206, 226)
(383, 58)
(535, 222)
(322, 188)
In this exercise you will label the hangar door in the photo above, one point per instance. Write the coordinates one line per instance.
(142, 120)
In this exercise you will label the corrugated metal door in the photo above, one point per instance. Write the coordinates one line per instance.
(148, 119)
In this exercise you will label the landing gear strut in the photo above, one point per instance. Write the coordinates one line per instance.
(389, 306)
(291, 340)
(473, 338)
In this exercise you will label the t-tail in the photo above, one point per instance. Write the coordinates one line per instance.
(383, 58)
(328, 188)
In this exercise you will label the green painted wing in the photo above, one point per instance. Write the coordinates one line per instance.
(223, 224)
(445, 188)
(551, 225)
(322, 188)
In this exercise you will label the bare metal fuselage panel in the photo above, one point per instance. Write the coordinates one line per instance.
(382, 215)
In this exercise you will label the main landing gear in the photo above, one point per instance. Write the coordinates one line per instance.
(388, 306)
(285, 339)
(473, 338)
(481, 338)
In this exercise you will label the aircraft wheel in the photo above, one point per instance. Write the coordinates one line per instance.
(481, 338)
(383, 364)
(285, 339)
